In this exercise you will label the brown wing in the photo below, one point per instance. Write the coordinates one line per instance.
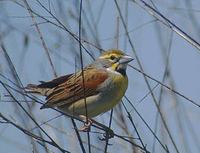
(73, 89)
(45, 87)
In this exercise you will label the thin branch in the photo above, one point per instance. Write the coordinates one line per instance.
(31, 134)
(145, 78)
(82, 71)
(167, 87)
(155, 13)
(163, 146)
(41, 38)
(107, 139)
(27, 113)
(132, 123)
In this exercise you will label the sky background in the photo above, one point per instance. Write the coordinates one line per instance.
(156, 46)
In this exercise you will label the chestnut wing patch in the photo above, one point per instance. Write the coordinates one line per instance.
(73, 89)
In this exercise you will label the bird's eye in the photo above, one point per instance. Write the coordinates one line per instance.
(112, 57)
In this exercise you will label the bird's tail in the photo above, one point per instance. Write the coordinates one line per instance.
(35, 89)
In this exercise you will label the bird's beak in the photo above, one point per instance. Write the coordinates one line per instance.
(125, 59)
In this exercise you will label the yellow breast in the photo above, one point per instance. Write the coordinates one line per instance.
(112, 95)
(120, 84)
(113, 90)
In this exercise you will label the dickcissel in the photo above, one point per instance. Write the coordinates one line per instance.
(105, 83)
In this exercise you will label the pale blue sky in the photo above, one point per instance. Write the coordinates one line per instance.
(32, 66)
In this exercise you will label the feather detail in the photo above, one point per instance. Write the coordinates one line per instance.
(32, 88)
(73, 89)
(55, 82)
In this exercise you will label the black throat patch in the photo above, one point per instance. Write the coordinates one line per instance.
(121, 70)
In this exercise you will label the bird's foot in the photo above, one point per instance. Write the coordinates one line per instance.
(87, 124)
(108, 135)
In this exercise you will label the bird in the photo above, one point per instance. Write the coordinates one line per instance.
(89, 92)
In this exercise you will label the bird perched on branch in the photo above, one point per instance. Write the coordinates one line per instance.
(88, 93)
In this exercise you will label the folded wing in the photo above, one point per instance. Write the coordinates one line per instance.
(68, 89)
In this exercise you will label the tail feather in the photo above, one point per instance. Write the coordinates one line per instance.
(35, 89)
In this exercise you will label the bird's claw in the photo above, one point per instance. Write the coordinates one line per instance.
(86, 126)
(108, 135)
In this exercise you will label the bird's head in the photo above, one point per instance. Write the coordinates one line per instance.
(115, 60)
